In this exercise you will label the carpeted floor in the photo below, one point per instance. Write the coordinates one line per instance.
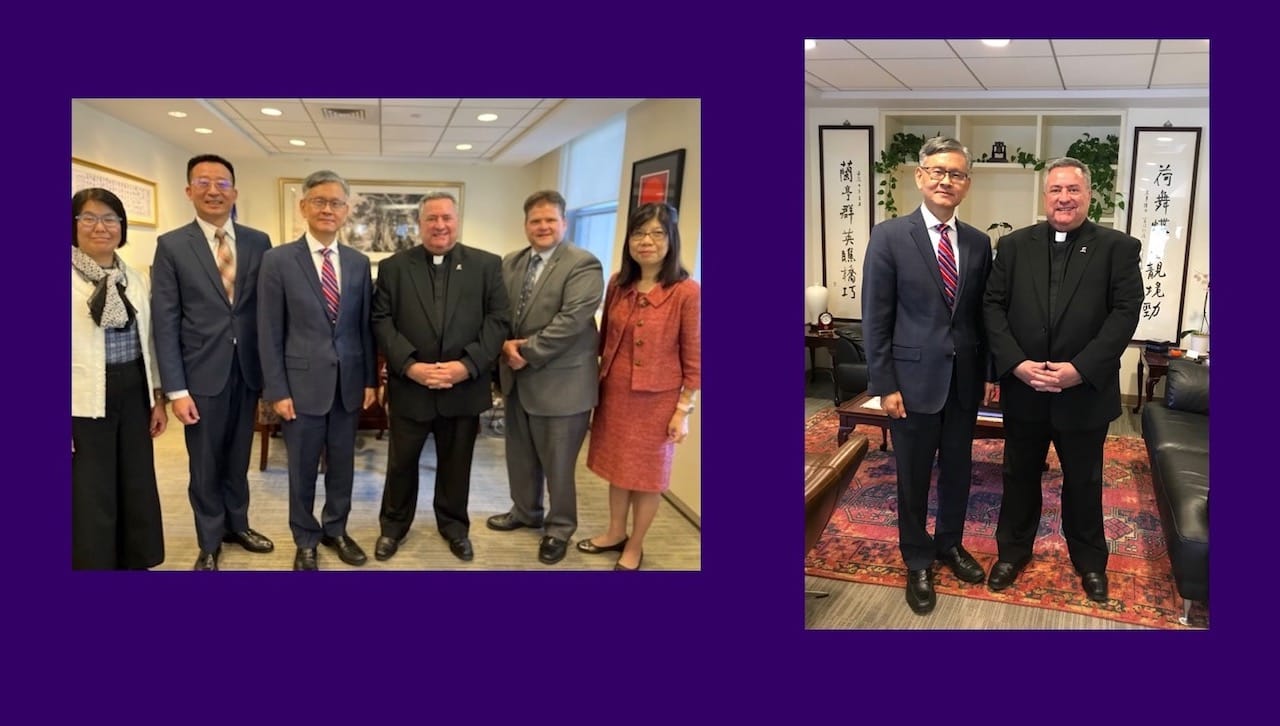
(860, 543)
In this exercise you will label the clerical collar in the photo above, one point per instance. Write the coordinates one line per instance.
(1059, 236)
(437, 259)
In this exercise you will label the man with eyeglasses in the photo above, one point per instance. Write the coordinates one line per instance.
(318, 364)
(922, 284)
(204, 298)
(549, 373)
(440, 314)
(1063, 301)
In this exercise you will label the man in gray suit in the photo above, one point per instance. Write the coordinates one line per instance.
(549, 373)
(927, 359)
(204, 307)
(318, 363)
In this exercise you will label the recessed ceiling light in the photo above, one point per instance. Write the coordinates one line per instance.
(272, 112)
(203, 130)
(487, 117)
(463, 147)
(178, 114)
(810, 44)
(995, 43)
(297, 142)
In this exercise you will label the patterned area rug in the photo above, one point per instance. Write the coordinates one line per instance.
(860, 543)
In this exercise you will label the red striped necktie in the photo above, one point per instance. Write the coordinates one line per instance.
(947, 266)
(329, 285)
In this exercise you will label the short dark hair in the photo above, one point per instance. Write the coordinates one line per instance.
(98, 194)
(672, 271)
(212, 158)
(546, 196)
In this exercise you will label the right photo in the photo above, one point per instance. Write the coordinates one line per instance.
(1006, 334)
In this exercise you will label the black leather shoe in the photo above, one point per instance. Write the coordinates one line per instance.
(965, 567)
(461, 548)
(619, 567)
(507, 522)
(552, 550)
(250, 540)
(920, 595)
(385, 547)
(1095, 585)
(305, 559)
(208, 560)
(1004, 573)
(348, 551)
(592, 548)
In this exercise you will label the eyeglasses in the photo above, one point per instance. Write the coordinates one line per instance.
(656, 235)
(89, 221)
(319, 204)
(937, 173)
(223, 185)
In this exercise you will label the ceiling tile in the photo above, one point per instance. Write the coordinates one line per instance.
(855, 74)
(483, 103)
(1181, 70)
(408, 147)
(417, 116)
(354, 146)
(922, 74)
(456, 135)
(280, 128)
(1116, 71)
(411, 133)
(1015, 49)
(1184, 46)
(1016, 73)
(904, 48)
(1103, 47)
(423, 102)
(348, 131)
(833, 49)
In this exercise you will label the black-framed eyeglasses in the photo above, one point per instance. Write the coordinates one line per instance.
(223, 185)
(319, 204)
(937, 173)
(656, 235)
(89, 221)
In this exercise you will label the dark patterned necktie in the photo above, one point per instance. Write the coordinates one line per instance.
(329, 285)
(947, 266)
(535, 261)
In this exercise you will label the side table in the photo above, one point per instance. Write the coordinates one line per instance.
(813, 342)
(1157, 365)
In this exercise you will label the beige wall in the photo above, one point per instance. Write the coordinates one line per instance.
(654, 127)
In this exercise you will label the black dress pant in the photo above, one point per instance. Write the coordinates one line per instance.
(218, 447)
(948, 434)
(1025, 446)
(115, 507)
(305, 437)
(455, 443)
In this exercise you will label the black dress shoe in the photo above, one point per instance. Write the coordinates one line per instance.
(208, 560)
(965, 567)
(507, 522)
(1095, 585)
(1004, 573)
(920, 595)
(461, 548)
(250, 540)
(592, 548)
(552, 550)
(348, 551)
(385, 547)
(305, 559)
(619, 567)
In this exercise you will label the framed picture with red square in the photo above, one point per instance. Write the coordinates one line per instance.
(657, 179)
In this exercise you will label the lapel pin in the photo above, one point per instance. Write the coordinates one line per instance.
(1083, 250)
(459, 267)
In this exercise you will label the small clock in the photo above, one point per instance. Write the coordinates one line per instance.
(824, 321)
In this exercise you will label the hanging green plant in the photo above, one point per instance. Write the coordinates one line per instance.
(902, 148)
(1101, 156)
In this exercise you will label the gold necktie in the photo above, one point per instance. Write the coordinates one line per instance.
(226, 264)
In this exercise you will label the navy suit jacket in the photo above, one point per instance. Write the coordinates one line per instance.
(304, 357)
(912, 339)
(1098, 306)
(197, 332)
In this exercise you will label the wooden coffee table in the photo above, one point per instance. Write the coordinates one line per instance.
(990, 423)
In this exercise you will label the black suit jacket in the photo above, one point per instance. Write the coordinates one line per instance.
(471, 328)
(1097, 313)
(912, 339)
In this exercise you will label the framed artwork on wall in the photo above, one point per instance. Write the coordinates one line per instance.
(845, 181)
(384, 214)
(137, 194)
(657, 179)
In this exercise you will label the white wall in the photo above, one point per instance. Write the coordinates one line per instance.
(1134, 116)
(654, 127)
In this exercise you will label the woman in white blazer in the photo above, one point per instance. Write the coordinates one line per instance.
(117, 406)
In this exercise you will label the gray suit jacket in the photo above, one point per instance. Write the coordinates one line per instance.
(304, 357)
(194, 324)
(562, 377)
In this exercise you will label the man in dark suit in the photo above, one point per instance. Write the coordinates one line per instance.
(1062, 303)
(204, 303)
(318, 363)
(550, 373)
(922, 285)
(440, 314)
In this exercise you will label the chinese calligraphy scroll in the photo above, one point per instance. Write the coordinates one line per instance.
(845, 175)
(137, 194)
(1161, 202)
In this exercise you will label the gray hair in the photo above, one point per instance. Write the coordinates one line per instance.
(945, 145)
(1069, 163)
(432, 196)
(324, 176)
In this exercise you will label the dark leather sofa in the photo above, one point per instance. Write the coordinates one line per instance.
(1176, 431)
(850, 362)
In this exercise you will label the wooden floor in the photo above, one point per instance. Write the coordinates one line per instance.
(852, 605)
(673, 543)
